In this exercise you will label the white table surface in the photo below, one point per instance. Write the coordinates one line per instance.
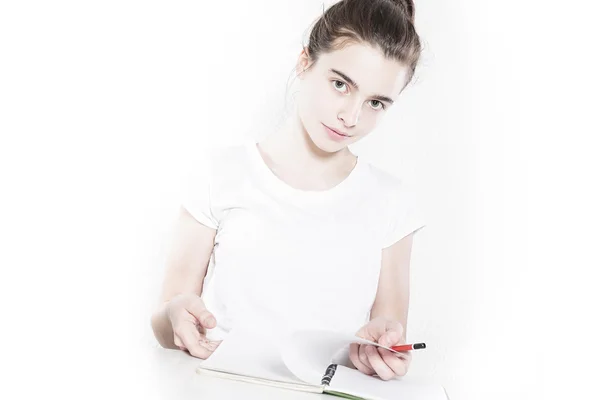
(174, 376)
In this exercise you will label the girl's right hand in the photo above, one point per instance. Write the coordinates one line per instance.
(190, 319)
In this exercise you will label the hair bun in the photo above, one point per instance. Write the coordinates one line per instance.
(408, 6)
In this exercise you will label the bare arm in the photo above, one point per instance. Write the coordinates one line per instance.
(389, 311)
(187, 264)
(393, 292)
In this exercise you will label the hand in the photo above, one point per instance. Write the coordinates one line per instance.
(373, 360)
(190, 319)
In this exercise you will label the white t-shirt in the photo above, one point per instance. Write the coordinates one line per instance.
(291, 257)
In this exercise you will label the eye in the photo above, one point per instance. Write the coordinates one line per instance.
(339, 85)
(377, 104)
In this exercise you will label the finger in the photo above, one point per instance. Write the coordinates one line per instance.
(378, 327)
(398, 363)
(353, 353)
(177, 341)
(199, 310)
(190, 337)
(377, 363)
(209, 344)
(364, 359)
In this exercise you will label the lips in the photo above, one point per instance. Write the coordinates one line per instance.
(337, 131)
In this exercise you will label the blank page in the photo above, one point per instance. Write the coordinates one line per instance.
(354, 382)
(249, 354)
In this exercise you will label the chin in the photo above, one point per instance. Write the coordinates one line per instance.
(324, 143)
(316, 134)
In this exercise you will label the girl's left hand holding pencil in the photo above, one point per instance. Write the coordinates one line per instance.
(373, 360)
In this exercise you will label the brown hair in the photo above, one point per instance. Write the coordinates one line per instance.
(384, 24)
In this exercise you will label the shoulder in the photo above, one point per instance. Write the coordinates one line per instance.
(398, 205)
(220, 160)
(222, 155)
(386, 183)
(395, 194)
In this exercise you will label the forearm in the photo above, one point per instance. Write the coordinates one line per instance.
(394, 308)
(393, 292)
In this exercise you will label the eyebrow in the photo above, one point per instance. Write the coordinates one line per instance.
(351, 82)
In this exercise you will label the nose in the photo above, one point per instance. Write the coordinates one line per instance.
(350, 113)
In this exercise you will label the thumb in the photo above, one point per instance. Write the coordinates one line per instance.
(389, 339)
(199, 310)
(392, 334)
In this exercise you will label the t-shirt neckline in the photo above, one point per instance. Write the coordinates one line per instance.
(269, 178)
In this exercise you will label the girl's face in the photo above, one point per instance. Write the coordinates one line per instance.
(348, 90)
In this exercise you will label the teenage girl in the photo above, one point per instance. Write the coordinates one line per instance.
(300, 231)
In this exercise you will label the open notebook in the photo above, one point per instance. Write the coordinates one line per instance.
(307, 360)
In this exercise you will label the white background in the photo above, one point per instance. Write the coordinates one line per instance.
(103, 104)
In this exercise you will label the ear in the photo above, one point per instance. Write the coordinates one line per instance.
(303, 62)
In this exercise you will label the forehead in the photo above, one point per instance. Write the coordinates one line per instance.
(367, 66)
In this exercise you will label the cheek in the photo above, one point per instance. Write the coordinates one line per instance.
(372, 118)
(368, 122)
(318, 104)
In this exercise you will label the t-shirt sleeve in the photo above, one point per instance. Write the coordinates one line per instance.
(196, 194)
(404, 215)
